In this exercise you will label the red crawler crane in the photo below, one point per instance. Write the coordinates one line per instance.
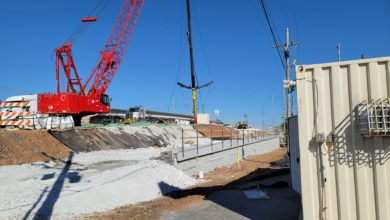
(81, 99)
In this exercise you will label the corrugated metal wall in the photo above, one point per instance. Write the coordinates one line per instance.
(356, 170)
(294, 153)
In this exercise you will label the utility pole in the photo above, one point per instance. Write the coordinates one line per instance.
(288, 84)
(338, 52)
(288, 70)
(288, 73)
(193, 86)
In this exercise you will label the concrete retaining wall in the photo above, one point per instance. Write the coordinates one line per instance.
(225, 158)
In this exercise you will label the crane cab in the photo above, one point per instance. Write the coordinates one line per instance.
(105, 99)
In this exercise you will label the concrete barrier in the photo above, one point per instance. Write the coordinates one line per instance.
(228, 157)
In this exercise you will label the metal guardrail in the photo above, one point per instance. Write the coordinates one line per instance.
(225, 141)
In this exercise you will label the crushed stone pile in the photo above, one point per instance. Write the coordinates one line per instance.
(86, 183)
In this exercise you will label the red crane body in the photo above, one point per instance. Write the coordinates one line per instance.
(81, 99)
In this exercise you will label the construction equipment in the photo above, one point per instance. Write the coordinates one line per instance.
(140, 113)
(242, 125)
(66, 108)
(194, 85)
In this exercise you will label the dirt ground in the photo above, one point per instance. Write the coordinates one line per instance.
(23, 146)
(255, 167)
(222, 132)
(215, 131)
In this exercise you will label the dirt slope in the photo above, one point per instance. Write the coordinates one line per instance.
(22, 146)
(215, 131)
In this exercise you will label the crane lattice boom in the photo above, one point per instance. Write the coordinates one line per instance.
(115, 48)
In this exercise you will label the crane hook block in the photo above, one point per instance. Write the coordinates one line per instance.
(89, 19)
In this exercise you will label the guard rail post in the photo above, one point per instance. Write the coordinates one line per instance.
(231, 138)
(211, 137)
(197, 142)
(222, 137)
(182, 142)
(243, 138)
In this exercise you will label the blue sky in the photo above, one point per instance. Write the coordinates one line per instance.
(232, 46)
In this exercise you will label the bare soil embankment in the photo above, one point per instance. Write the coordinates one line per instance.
(215, 131)
(123, 137)
(22, 146)
(28, 146)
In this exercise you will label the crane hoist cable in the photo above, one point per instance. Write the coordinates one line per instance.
(202, 43)
(181, 57)
(205, 56)
(82, 26)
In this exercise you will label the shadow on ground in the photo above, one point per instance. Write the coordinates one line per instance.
(229, 202)
(45, 211)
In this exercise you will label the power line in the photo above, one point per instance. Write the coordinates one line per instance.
(272, 31)
(296, 27)
(17, 90)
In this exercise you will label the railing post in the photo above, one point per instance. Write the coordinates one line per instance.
(231, 138)
(222, 137)
(237, 137)
(182, 142)
(197, 142)
(256, 134)
(211, 136)
(243, 137)
(33, 121)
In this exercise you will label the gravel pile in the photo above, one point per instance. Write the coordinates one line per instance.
(86, 183)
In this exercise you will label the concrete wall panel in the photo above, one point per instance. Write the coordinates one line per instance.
(226, 158)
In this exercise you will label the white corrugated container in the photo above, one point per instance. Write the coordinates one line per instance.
(356, 169)
(294, 154)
